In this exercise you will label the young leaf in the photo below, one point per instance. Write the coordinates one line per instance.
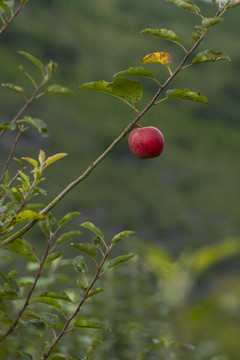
(186, 5)
(79, 264)
(93, 292)
(186, 94)
(163, 33)
(47, 300)
(58, 90)
(88, 249)
(54, 158)
(31, 161)
(121, 236)
(210, 22)
(21, 247)
(53, 256)
(118, 260)
(13, 87)
(93, 228)
(66, 218)
(210, 55)
(27, 215)
(34, 60)
(39, 124)
(67, 236)
(80, 322)
(61, 295)
(158, 58)
(135, 71)
(7, 126)
(41, 158)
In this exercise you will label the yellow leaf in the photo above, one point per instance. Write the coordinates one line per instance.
(158, 57)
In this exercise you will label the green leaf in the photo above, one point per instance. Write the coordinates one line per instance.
(13, 87)
(97, 241)
(207, 256)
(135, 71)
(27, 215)
(53, 256)
(7, 126)
(53, 158)
(118, 260)
(13, 285)
(121, 236)
(210, 55)
(80, 322)
(93, 228)
(69, 216)
(163, 33)
(187, 94)
(21, 247)
(186, 5)
(61, 295)
(36, 325)
(47, 300)
(79, 264)
(39, 124)
(67, 236)
(93, 292)
(49, 318)
(210, 22)
(86, 248)
(121, 88)
(34, 60)
(58, 90)
(31, 161)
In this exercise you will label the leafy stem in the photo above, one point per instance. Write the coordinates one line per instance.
(21, 129)
(92, 166)
(74, 314)
(10, 20)
(39, 273)
(28, 102)
(126, 131)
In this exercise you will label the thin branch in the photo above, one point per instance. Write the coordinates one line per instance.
(130, 126)
(9, 21)
(87, 172)
(40, 270)
(26, 105)
(69, 320)
(11, 154)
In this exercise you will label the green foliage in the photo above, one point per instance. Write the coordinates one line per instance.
(43, 303)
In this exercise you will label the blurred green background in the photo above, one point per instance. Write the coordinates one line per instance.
(186, 199)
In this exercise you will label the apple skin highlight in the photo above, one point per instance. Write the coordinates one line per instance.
(146, 142)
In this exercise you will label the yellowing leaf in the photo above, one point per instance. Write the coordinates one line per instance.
(159, 58)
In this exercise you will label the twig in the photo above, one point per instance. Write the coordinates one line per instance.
(68, 321)
(9, 21)
(13, 326)
(87, 172)
(11, 154)
(26, 105)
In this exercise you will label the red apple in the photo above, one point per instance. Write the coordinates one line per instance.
(146, 142)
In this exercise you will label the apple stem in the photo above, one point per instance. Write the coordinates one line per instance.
(138, 126)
